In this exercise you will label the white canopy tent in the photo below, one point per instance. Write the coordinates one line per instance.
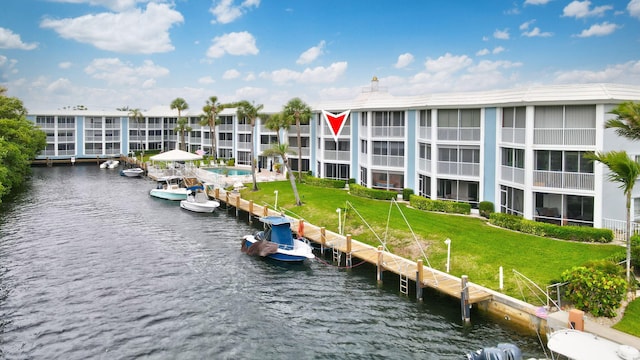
(176, 155)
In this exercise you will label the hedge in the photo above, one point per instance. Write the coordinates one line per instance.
(422, 203)
(327, 183)
(575, 233)
(362, 191)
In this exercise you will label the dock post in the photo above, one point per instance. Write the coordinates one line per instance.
(419, 278)
(323, 238)
(464, 299)
(216, 193)
(250, 211)
(379, 265)
(348, 261)
(238, 205)
(265, 212)
(301, 228)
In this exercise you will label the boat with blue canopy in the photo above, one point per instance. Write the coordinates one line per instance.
(277, 242)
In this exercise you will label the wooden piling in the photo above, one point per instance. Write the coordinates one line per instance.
(323, 238)
(464, 299)
(379, 268)
(250, 211)
(419, 279)
(348, 253)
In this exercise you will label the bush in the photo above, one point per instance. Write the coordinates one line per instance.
(327, 183)
(486, 208)
(575, 233)
(422, 203)
(406, 193)
(359, 190)
(594, 291)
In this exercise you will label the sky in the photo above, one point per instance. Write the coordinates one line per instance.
(108, 54)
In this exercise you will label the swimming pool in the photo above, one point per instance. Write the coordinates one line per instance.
(230, 171)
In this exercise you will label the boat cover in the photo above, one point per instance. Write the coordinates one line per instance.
(261, 248)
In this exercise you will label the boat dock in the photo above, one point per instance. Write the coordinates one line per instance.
(345, 246)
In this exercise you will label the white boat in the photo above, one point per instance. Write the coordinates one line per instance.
(110, 164)
(133, 172)
(169, 188)
(277, 242)
(198, 201)
(579, 345)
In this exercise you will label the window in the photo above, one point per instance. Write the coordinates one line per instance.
(363, 146)
(425, 118)
(244, 138)
(514, 117)
(470, 118)
(448, 118)
(513, 157)
(569, 161)
(425, 151)
(336, 171)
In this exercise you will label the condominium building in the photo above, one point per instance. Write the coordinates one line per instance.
(521, 149)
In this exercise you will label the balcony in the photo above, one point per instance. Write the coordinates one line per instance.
(459, 134)
(336, 155)
(563, 180)
(515, 136)
(346, 130)
(387, 160)
(424, 133)
(424, 165)
(570, 137)
(388, 131)
(458, 168)
(512, 174)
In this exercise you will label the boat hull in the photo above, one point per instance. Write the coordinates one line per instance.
(300, 252)
(206, 207)
(135, 172)
(174, 195)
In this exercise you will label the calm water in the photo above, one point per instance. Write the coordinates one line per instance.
(92, 267)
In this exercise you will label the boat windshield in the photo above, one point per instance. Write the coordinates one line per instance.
(281, 234)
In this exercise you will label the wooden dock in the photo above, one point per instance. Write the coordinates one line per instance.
(407, 270)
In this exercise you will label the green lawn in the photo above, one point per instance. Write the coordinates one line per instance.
(477, 249)
(630, 323)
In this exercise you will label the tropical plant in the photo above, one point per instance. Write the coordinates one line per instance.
(282, 150)
(246, 110)
(136, 115)
(276, 122)
(623, 170)
(627, 122)
(180, 104)
(210, 118)
(301, 113)
(593, 290)
(182, 128)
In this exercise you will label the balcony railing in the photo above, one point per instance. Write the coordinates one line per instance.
(424, 133)
(387, 160)
(513, 174)
(244, 146)
(459, 134)
(424, 165)
(336, 155)
(563, 180)
(511, 135)
(346, 130)
(244, 128)
(225, 143)
(581, 137)
(388, 131)
(458, 168)
(305, 151)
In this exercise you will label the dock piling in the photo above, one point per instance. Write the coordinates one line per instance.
(419, 278)
(464, 299)
(379, 268)
(349, 263)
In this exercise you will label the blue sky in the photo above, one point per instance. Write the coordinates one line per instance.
(105, 54)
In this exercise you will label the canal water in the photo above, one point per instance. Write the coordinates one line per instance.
(92, 267)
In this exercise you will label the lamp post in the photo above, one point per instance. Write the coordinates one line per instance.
(448, 242)
(276, 204)
(339, 211)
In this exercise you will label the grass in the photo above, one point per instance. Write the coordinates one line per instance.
(630, 323)
(477, 249)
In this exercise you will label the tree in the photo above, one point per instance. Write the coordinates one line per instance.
(246, 110)
(301, 113)
(210, 118)
(282, 150)
(623, 170)
(182, 128)
(277, 121)
(180, 104)
(627, 122)
(136, 115)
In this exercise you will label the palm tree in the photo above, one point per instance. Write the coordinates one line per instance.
(627, 124)
(623, 170)
(210, 118)
(180, 104)
(282, 150)
(181, 128)
(136, 115)
(247, 110)
(301, 113)
(277, 121)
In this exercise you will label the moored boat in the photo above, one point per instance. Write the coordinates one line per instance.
(277, 242)
(198, 201)
(110, 164)
(133, 172)
(169, 188)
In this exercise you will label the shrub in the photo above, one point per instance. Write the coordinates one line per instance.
(575, 233)
(486, 208)
(422, 203)
(594, 291)
(327, 183)
(406, 193)
(362, 191)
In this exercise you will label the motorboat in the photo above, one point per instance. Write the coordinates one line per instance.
(503, 351)
(277, 242)
(580, 345)
(169, 188)
(133, 172)
(110, 164)
(198, 201)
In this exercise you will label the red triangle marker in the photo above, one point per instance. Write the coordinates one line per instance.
(336, 122)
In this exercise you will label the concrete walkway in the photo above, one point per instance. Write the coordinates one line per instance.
(560, 320)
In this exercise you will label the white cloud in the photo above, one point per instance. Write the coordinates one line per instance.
(603, 29)
(61, 85)
(634, 8)
(483, 52)
(231, 74)
(115, 5)
(236, 43)
(535, 32)
(9, 40)
(580, 9)
(447, 63)
(536, 2)
(7, 66)
(311, 54)
(116, 72)
(250, 92)
(225, 11)
(525, 25)
(318, 74)
(250, 77)
(627, 73)
(65, 65)
(134, 31)
(501, 34)
(206, 80)
(404, 60)
(497, 50)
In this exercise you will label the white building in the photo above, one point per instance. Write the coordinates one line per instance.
(520, 149)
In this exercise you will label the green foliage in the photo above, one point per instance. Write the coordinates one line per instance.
(231, 162)
(574, 233)
(327, 183)
(594, 291)
(486, 208)
(406, 193)
(452, 207)
(20, 142)
(359, 190)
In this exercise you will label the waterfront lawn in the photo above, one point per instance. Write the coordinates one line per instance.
(630, 323)
(477, 248)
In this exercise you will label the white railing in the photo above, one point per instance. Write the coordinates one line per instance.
(458, 168)
(388, 131)
(459, 134)
(424, 165)
(563, 180)
(225, 143)
(336, 155)
(564, 137)
(346, 130)
(511, 135)
(387, 160)
(513, 174)
(244, 146)
(619, 228)
(424, 133)
(244, 127)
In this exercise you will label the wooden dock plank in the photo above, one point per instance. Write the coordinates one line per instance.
(406, 268)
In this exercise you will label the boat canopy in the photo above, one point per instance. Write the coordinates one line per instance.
(280, 232)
